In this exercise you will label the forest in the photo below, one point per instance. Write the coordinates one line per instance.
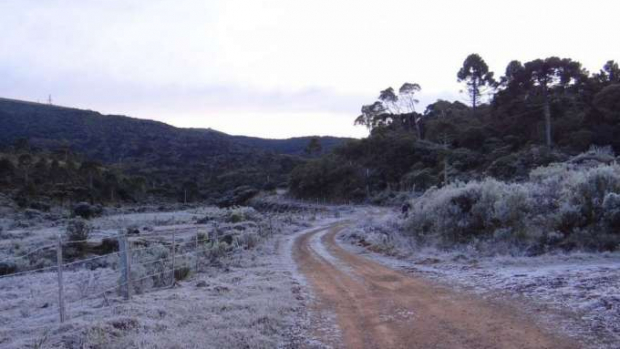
(57, 155)
(536, 113)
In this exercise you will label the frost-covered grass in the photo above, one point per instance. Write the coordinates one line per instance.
(247, 293)
(563, 206)
(252, 302)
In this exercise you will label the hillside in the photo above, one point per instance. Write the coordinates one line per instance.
(113, 138)
(207, 162)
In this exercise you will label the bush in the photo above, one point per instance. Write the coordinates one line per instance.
(215, 250)
(611, 209)
(561, 206)
(460, 213)
(86, 211)
(241, 214)
(182, 273)
(7, 267)
(248, 240)
(78, 230)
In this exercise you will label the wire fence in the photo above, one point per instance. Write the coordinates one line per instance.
(76, 280)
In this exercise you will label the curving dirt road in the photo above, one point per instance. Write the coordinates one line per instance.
(377, 307)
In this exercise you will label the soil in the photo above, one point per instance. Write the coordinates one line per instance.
(378, 307)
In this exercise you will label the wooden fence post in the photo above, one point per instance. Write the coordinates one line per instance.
(123, 246)
(61, 291)
(173, 255)
(196, 251)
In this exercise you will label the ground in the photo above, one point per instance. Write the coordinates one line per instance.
(377, 307)
(311, 285)
(573, 294)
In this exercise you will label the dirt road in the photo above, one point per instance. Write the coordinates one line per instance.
(377, 307)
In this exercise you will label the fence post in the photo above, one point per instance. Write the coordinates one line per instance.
(173, 254)
(125, 260)
(196, 251)
(61, 291)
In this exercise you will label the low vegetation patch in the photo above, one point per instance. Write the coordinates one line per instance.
(562, 206)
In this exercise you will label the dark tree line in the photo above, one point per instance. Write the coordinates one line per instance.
(536, 112)
(40, 179)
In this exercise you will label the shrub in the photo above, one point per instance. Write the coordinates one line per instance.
(182, 273)
(248, 240)
(215, 250)
(460, 213)
(561, 206)
(77, 231)
(241, 214)
(7, 267)
(611, 209)
(86, 211)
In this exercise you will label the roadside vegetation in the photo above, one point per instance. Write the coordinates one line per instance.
(568, 206)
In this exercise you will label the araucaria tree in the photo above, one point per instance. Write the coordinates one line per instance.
(548, 77)
(475, 73)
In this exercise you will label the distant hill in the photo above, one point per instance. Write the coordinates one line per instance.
(292, 146)
(169, 157)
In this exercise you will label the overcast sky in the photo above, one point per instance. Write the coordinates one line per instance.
(277, 68)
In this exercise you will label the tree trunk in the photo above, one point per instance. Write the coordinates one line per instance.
(474, 95)
(547, 111)
(417, 129)
(445, 161)
(445, 170)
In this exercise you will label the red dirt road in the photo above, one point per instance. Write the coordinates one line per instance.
(377, 307)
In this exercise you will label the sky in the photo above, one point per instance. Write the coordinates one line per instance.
(278, 68)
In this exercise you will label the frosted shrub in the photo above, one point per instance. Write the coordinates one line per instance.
(460, 213)
(215, 250)
(77, 232)
(241, 214)
(562, 206)
(248, 240)
(611, 209)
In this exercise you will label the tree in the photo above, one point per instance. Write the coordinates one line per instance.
(41, 171)
(313, 147)
(25, 162)
(546, 76)
(608, 102)
(111, 182)
(393, 109)
(610, 73)
(370, 115)
(390, 100)
(90, 168)
(6, 170)
(408, 100)
(514, 70)
(190, 188)
(475, 73)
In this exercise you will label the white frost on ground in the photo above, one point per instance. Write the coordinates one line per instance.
(577, 293)
(254, 298)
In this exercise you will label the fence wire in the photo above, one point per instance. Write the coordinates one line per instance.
(85, 280)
